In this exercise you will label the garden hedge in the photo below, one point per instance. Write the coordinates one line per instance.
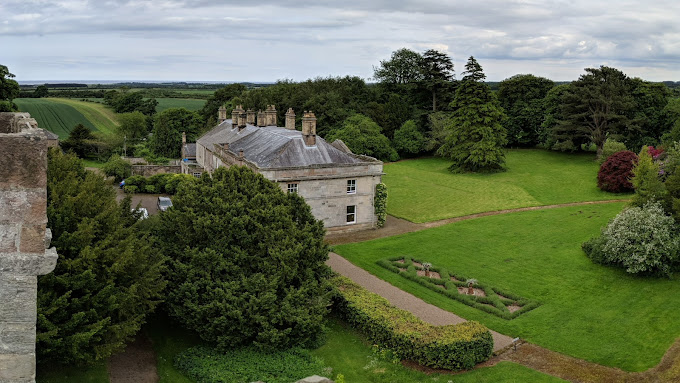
(452, 347)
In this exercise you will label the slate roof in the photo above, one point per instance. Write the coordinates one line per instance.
(276, 147)
(189, 150)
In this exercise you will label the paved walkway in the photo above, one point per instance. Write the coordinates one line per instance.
(400, 298)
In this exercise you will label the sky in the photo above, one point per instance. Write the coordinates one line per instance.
(268, 40)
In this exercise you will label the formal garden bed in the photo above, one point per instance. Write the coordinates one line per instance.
(482, 296)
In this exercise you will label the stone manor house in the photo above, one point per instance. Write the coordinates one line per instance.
(338, 184)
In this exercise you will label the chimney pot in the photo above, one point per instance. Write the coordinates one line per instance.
(290, 119)
(222, 114)
(309, 128)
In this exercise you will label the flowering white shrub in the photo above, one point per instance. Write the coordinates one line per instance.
(643, 240)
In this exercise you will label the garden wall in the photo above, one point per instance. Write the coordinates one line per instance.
(150, 170)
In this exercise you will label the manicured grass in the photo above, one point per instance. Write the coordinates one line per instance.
(588, 311)
(349, 355)
(70, 374)
(423, 190)
(93, 164)
(102, 117)
(187, 103)
(58, 118)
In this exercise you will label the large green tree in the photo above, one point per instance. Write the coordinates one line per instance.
(221, 97)
(596, 106)
(403, 67)
(363, 136)
(9, 90)
(522, 97)
(475, 136)
(168, 126)
(437, 69)
(247, 261)
(132, 126)
(109, 274)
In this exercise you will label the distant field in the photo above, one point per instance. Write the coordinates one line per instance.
(56, 117)
(188, 103)
(103, 118)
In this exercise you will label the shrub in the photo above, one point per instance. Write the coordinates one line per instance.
(611, 146)
(363, 136)
(381, 203)
(208, 365)
(409, 139)
(453, 347)
(642, 240)
(173, 182)
(646, 180)
(615, 173)
(247, 261)
(118, 168)
(131, 189)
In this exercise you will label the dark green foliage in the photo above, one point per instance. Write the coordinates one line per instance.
(522, 97)
(41, 91)
(133, 126)
(167, 131)
(380, 203)
(409, 139)
(404, 67)
(452, 347)
(552, 106)
(476, 136)
(108, 277)
(9, 90)
(222, 96)
(649, 115)
(596, 106)
(80, 140)
(437, 73)
(247, 261)
(118, 168)
(208, 365)
(362, 135)
(128, 102)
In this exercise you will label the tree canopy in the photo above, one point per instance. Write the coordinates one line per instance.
(475, 136)
(363, 136)
(167, 131)
(521, 97)
(9, 90)
(246, 261)
(109, 274)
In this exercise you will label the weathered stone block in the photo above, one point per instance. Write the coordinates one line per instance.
(9, 234)
(18, 296)
(17, 368)
(24, 161)
(17, 338)
(23, 205)
(32, 239)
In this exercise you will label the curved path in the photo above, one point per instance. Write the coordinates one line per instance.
(527, 354)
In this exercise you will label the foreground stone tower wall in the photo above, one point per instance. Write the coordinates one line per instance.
(24, 241)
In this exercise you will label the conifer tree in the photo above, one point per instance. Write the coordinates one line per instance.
(475, 137)
(648, 186)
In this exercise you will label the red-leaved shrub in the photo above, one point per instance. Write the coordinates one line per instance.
(615, 173)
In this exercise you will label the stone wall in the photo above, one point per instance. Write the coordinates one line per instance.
(150, 170)
(24, 241)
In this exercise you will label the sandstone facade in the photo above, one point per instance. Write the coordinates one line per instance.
(24, 241)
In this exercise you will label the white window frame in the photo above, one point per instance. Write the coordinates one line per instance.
(353, 214)
(293, 187)
(352, 186)
(196, 174)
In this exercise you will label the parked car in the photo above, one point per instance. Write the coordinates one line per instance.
(144, 213)
(164, 203)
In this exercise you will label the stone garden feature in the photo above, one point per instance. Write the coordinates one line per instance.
(24, 241)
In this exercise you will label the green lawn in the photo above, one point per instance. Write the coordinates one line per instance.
(588, 311)
(348, 354)
(187, 103)
(56, 117)
(423, 190)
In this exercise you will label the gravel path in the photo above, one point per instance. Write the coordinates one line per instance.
(137, 364)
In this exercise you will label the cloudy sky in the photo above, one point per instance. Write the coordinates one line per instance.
(266, 40)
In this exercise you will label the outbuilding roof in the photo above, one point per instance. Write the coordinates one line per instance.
(277, 147)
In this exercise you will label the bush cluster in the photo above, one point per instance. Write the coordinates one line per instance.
(117, 167)
(452, 347)
(609, 148)
(642, 240)
(208, 365)
(165, 183)
(380, 203)
(495, 302)
(616, 172)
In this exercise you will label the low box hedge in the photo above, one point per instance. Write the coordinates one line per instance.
(452, 347)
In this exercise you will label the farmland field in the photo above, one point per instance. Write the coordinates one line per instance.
(423, 190)
(56, 117)
(589, 311)
(103, 118)
(188, 103)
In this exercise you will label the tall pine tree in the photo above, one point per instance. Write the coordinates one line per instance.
(476, 137)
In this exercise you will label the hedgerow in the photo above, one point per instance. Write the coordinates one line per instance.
(164, 183)
(495, 302)
(452, 347)
(208, 365)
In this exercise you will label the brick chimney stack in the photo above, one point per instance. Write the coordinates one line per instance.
(222, 114)
(309, 128)
(290, 119)
(250, 118)
(234, 116)
(271, 115)
(242, 116)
